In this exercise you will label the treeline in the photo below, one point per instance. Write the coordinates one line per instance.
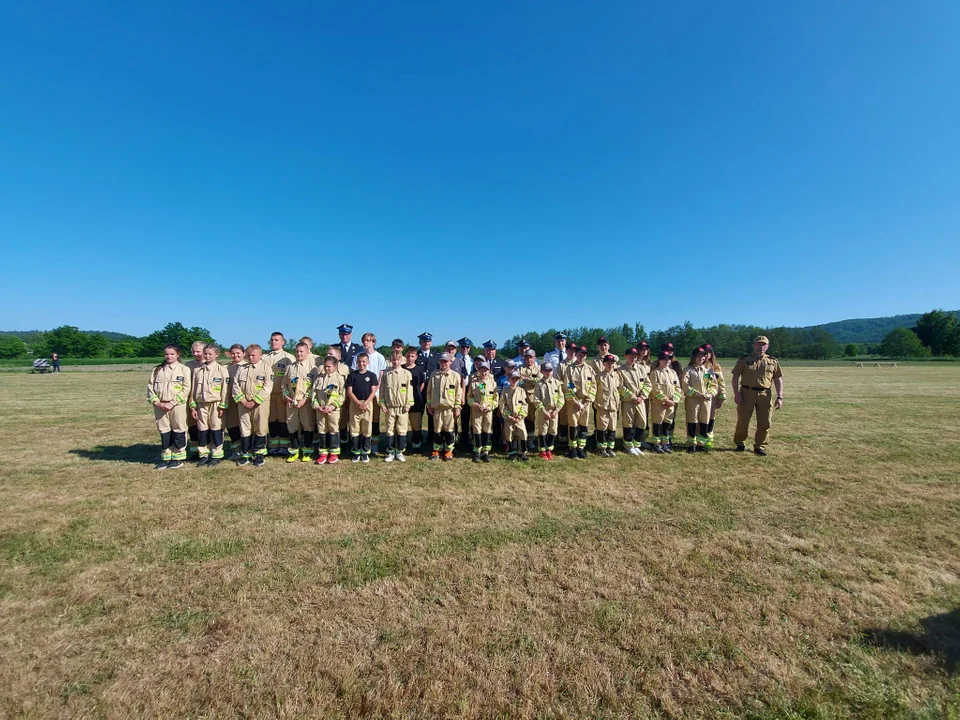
(936, 334)
(70, 342)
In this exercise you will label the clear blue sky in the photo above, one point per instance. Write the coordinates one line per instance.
(476, 168)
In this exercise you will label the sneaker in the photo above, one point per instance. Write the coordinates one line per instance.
(306, 459)
(658, 449)
(203, 461)
(259, 461)
(242, 460)
(293, 458)
(448, 455)
(543, 454)
(740, 447)
(524, 457)
(476, 458)
(400, 458)
(435, 455)
(321, 459)
(760, 451)
(549, 455)
(175, 465)
(513, 457)
(582, 453)
(356, 459)
(668, 448)
(365, 458)
(637, 451)
(388, 458)
(162, 465)
(333, 459)
(485, 458)
(572, 453)
(213, 462)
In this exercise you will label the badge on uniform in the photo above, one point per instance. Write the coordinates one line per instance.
(260, 377)
(293, 381)
(178, 378)
(216, 380)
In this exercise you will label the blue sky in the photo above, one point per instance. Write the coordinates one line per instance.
(476, 168)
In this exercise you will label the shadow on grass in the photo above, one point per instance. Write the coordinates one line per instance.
(138, 454)
(940, 636)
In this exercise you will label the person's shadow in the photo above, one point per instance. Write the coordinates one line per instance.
(138, 454)
(940, 636)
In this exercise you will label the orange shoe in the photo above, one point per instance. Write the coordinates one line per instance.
(448, 455)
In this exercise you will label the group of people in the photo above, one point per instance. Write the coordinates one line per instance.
(305, 407)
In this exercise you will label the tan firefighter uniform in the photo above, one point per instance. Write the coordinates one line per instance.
(395, 398)
(513, 405)
(231, 418)
(548, 396)
(634, 384)
(607, 403)
(529, 377)
(664, 385)
(444, 394)
(209, 395)
(254, 382)
(695, 383)
(278, 360)
(581, 389)
(756, 381)
(171, 383)
(482, 395)
(297, 385)
(328, 391)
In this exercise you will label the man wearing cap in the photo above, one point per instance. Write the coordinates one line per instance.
(278, 359)
(347, 348)
(425, 356)
(522, 347)
(490, 355)
(558, 354)
(580, 392)
(482, 399)
(634, 391)
(548, 401)
(753, 376)
(514, 409)
(444, 399)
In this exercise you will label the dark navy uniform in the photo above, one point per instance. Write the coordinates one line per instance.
(347, 350)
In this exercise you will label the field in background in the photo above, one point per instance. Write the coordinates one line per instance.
(819, 582)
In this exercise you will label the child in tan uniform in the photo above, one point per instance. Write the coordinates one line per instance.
(252, 388)
(168, 391)
(514, 409)
(664, 396)
(328, 398)
(297, 390)
(395, 399)
(209, 396)
(231, 418)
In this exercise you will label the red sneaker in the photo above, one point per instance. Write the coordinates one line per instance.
(549, 455)
(333, 460)
(543, 454)
(321, 459)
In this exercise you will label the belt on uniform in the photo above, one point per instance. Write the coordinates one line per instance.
(757, 389)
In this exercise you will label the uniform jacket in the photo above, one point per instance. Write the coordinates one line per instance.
(580, 382)
(278, 360)
(169, 383)
(444, 390)
(529, 377)
(210, 383)
(396, 388)
(608, 391)
(548, 395)
(482, 392)
(328, 390)
(232, 374)
(297, 383)
(695, 380)
(348, 351)
(513, 402)
(633, 381)
(757, 372)
(665, 384)
(253, 382)
(715, 378)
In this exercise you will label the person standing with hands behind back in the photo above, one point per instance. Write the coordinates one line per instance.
(168, 392)
(753, 376)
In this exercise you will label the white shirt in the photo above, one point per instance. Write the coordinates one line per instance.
(377, 363)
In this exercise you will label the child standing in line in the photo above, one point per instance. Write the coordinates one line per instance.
(715, 379)
(548, 402)
(209, 395)
(699, 392)
(580, 392)
(482, 400)
(634, 391)
(168, 391)
(396, 399)
(362, 391)
(252, 387)
(296, 391)
(328, 399)
(232, 417)
(664, 396)
(606, 405)
(417, 373)
(513, 407)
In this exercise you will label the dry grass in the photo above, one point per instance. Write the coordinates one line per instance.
(819, 582)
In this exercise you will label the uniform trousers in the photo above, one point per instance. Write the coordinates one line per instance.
(760, 402)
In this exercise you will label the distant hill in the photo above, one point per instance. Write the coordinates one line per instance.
(29, 336)
(869, 330)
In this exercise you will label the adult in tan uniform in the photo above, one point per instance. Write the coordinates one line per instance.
(297, 391)
(231, 418)
(209, 398)
(548, 402)
(579, 393)
(168, 391)
(444, 398)
(278, 359)
(634, 391)
(753, 377)
(252, 388)
(482, 400)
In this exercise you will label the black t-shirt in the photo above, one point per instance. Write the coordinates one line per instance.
(418, 372)
(363, 384)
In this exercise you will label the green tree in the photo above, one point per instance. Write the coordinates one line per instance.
(12, 347)
(94, 345)
(173, 334)
(125, 349)
(66, 341)
(851, 350)
(935, 330)
(902, 343)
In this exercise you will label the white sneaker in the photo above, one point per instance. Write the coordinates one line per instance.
(365, 458)
(356, 458)
(400, 457)
(637, 451)
(388, 458)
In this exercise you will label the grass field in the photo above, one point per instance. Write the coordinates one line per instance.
(819, 582)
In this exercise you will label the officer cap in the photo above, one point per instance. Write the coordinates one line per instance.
(465, 342)
(761, 339)
(490, 344)
(522, 342)
(582, 349)
(345, 329)
(602, 339)
(483, 365)
(559, 336)
(547, 366)
(663, 355)
(633, 351)
(446, 356)
(425, 336)
(514, 374)
(530, 353)
(609, 358)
